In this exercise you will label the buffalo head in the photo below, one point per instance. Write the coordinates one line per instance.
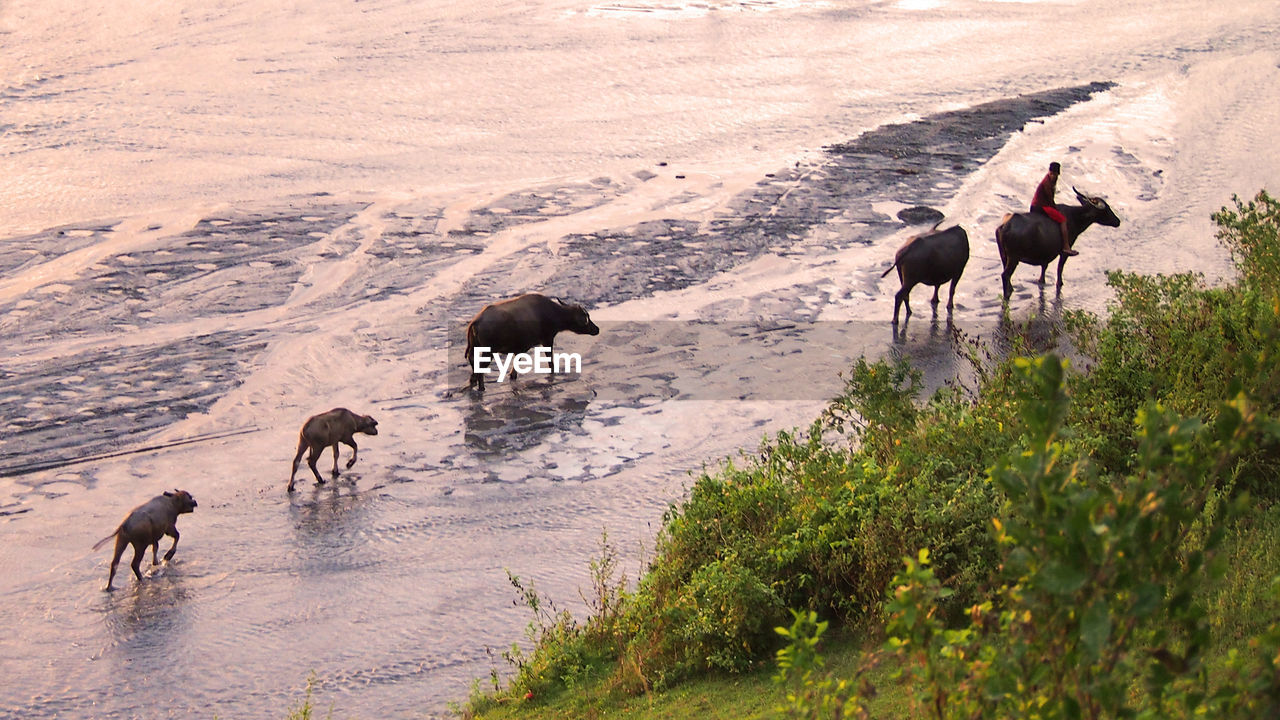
(182, 500)
(578, 319)
(1097, 209)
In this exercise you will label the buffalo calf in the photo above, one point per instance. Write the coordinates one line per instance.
(339, 425)
(144, 526)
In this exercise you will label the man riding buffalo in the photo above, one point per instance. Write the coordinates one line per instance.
(1043, 203)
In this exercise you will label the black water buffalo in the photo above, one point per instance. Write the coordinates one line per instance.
(1034, 239)
(144, 526)
(932, 258)
(521, 323)
(327, 429)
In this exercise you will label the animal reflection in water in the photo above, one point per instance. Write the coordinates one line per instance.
(1035, 239)
(517, 422)
(332, 507)
(1040, 332)
(153, 617)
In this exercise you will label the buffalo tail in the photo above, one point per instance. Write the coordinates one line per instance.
(98, 545)
(471, 342)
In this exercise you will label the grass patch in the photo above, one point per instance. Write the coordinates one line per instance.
(745, 696)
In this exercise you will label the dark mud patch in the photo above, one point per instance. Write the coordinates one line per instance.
(224, 265)
(920, 215)
(411, 246)
(535, 205)
(101, 402)
(917, 163)
(416, 243)
(20, 253)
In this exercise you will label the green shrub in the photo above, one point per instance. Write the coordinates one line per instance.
(1099, 586)
(818, 520)
(1099, 580)
(304, 710)
(1250, 232)
(1173, 340)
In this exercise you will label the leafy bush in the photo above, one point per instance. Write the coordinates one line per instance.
(1099, 580)
(564, 652)
(1171, 339)
(818, 520)
(1249, 232)
(1099, 586)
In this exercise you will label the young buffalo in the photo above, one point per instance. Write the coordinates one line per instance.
(339, 425)
(145, 525)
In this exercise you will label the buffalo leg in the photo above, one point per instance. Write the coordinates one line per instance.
(155, 552)
(121, 544)
(354, 451)
(469, 356)
(312, 457)
(951, 299)
(302, 447)
(335, 459)
(173, 533)
(1043, 269)
(902, 299)
(1005, 276)
(936, 288)
(139, 549)
(1061, 262)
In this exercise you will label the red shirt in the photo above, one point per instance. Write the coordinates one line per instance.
(1044, 192)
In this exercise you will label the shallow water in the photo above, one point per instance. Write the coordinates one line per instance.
(219, 220)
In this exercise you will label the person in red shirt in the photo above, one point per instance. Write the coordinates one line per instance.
(1043, 203)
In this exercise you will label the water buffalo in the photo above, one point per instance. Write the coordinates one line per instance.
(1034, 239)
(144, 526)
(932, 258)
(521, 323)
(327, 429)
